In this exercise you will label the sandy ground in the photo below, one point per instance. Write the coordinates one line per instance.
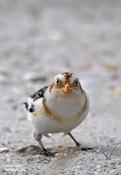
(40, 39)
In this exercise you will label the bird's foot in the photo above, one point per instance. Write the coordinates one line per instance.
(47, 153)
(83, 148)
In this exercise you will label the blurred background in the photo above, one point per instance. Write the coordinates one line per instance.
(39, 39)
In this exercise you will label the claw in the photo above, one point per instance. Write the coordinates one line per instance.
(83, 148)
(47, 153)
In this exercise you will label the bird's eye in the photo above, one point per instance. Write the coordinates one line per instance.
(76, 82)
(58, 82)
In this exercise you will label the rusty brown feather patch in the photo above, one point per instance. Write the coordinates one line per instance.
(51, 86)
(67, 75)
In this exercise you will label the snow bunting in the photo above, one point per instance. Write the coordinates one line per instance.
(58, 107)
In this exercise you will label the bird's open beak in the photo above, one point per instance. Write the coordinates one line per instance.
(67, 88)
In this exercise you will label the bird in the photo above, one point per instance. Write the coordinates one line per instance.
(57, 108)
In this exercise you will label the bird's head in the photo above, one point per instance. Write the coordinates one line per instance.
(66, 83)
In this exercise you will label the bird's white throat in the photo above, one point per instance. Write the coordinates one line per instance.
(64, 105)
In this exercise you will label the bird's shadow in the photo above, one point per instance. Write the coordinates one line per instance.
(34, 150)
(106, 151)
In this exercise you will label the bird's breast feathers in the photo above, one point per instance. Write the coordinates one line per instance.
(60, 109)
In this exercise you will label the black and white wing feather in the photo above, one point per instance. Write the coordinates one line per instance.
(39, 93)
(29, 105)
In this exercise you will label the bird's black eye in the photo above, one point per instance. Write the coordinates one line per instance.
(58, 82)
(76, 82)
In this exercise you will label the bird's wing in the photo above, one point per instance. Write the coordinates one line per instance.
(29, 104)
(39, 93)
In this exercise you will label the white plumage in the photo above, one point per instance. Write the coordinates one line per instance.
(59, 107)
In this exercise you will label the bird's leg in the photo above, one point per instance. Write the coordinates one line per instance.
(83, 148)
(38, 138)
(77, 143)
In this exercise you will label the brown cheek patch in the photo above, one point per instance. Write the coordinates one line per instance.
(80, 87)
(51, 86)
